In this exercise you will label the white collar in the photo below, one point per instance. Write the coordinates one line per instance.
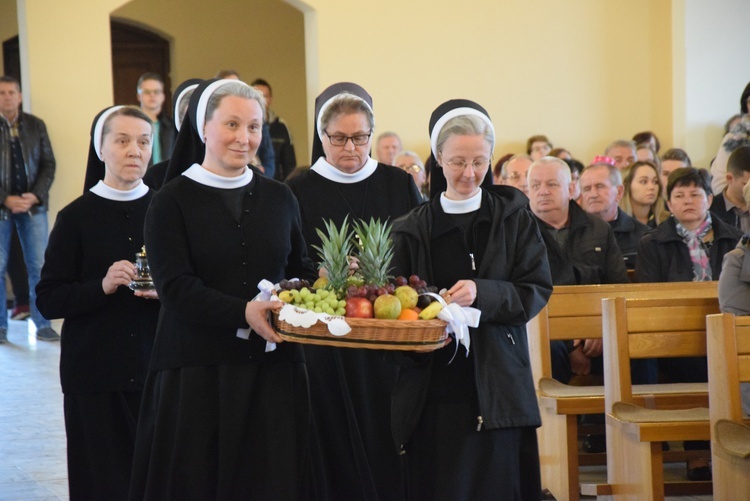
(110, 193)
(331, 173)
(199, 174)
(461, 206)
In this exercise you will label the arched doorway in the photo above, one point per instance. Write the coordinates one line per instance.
(136, 51)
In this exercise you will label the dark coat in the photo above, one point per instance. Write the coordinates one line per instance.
(206, 267)
(513, 285)
(591, 254)
(37, 157)
(719, 209)
(628, 233)
(166, 137)
(106, 338)
(663, 256)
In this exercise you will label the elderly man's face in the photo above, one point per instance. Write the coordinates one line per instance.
(598, 195)
(549, 194)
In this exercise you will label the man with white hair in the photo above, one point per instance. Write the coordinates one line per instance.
(387, 147)
(581, 249)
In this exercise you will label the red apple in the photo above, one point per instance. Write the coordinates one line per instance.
(358, 307)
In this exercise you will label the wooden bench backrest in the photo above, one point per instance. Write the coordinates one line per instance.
(649, 328)
(728, 364)
(575, 312)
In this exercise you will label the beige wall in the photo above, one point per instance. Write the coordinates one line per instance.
(582, 72)
(262, 38)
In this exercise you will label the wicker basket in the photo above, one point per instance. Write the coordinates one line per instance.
(376, 334)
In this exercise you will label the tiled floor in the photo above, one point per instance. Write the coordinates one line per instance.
(32, 431)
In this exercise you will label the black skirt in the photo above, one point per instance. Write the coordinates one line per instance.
(223, 432)
(100, 430)
(449, 456)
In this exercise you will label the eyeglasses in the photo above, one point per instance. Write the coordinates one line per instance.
(340, 139)
(515, 176)
(459, 164)
(149, 92)
(414, 168)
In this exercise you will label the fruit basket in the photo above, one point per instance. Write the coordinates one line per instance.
(371, 333)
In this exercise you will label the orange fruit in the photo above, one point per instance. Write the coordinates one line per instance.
(408, 314)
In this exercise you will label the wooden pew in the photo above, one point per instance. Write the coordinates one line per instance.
(728, 365)
(647, 328)
(575, 312)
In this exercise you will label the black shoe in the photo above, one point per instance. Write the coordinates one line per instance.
(595, 443)
(3, 335)
(47, 334)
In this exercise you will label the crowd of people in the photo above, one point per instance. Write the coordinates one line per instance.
(187, 392)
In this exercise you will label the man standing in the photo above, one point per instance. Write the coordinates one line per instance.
(27, 169)
(387, 147)
(151, 98)
(283, 148)
(601, 192)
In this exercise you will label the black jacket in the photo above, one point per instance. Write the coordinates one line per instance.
(591, 254)
(663, 256)
(37, 156)
(719, 209)
(513, 285)
(207, 265)
(628, 233)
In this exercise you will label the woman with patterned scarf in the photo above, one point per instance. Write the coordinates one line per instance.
(689, 246)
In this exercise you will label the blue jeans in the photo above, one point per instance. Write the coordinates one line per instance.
(32, 231)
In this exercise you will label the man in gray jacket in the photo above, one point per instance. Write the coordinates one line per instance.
(27, 169)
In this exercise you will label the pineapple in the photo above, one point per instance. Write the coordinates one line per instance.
(375, 251)
(336, 245)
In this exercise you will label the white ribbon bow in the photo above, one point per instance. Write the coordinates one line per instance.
(266, 294)
(459, 319)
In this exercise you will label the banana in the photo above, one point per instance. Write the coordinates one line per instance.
(431, 311)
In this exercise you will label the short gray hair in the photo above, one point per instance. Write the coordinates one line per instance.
(624, 143)
(615, 176)
(564, 168)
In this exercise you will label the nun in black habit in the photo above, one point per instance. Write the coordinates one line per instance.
(226, 410)
(108, 330)
(354, 456)
(465, 415)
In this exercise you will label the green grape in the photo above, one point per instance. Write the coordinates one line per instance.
(329, 310)
(310, 305)
(304, 292)
(323, 293)
(341, 312)
(316, 298)
(342, 304)
(318, 309)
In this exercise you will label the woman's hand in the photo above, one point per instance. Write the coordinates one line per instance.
(146, 294)
(463, 293)
(256, 314)
(120, 273)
